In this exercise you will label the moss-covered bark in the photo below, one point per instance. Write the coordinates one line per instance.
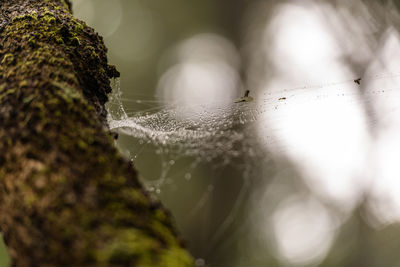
(66, 195)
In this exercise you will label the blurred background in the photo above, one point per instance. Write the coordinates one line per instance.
(312, 178)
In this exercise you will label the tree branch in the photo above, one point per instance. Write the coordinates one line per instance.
(67, 197)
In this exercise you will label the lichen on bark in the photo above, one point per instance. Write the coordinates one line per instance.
(67, 197)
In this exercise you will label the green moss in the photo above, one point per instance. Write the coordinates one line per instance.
(32, 42)
(126, 245)
(68, 93)
(163, 231)
(50, 19)
(59, 40)
(23, 84)
(89, 202)
(56, 60)
(46, 12)
(92, 51)
(102, 159)
(75, 41)
(78, 27)
(134, 197)
(176, 256)
(134, 247)
(8, 59)
(8, 92)
(28, 99)
(66, 4)
(29, 200)
(160, 215)
(29, 17)
(82, 144)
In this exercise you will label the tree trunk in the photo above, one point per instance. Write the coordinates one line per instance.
(67, 197)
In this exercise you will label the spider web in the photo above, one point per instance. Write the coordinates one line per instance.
(221, 136)
(220, 130)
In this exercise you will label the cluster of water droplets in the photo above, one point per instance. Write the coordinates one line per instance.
(209, 132)
(228, 130)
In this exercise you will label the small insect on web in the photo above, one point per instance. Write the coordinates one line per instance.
(245, 98)
(225, 131)
(221, 135)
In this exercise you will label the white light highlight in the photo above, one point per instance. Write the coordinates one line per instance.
(304, 231)
(205, 76)
(323, 129)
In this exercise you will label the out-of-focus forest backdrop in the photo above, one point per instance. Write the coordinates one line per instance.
(325, 191)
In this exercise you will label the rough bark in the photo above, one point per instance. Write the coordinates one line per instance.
(67, 197)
